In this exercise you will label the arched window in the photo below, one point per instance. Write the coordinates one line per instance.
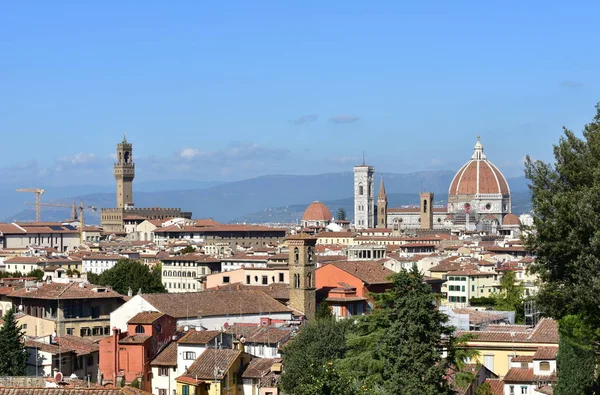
(309, 280)
(545, 366)
(361, 190)
(296, 255)
(139, 329)
(164, 273)
(425, 206)
(296, 281)
(309, 254)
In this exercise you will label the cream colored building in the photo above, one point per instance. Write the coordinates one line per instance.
(249, 276)
(343, 238)
(185, 273)
(464, 284)
(34, 327)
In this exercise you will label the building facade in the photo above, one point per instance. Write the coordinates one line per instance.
(364, 202)
(302, 266)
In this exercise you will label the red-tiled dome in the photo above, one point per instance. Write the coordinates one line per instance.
(317, 211)
(511, 219)
(479, 176)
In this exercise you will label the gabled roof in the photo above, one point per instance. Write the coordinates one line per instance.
(215, 303)
(66, 291)
(198, 337)
(167, 357)
(369, 272)
(203, 367)
(260, 367)
(145, 317)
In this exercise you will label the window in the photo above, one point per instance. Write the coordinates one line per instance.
(70, 331)
(265, 280)
(247, 279)
(296, 255)
(24, 326)
(162, 392)
(85, 332)
(225, 279)
(189, 355)
(158, 328)
(163, 371)
(185, 389)
(361, 190)
(472, 288)
(524, 389)
(280, 277)
(139, 329)
(90, 360)
(488, 362)
(545, 366)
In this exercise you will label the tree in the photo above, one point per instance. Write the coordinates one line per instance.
(484, 389)
(575, 360)
(510, 297)
(566, 237)
(14, 357)
(309, 357)
(411, 345)
(187, 250)
(323, 311)
(461, 355)
(130, 273)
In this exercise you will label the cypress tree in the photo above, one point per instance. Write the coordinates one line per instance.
(13, 357)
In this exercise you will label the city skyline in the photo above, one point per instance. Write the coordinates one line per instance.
(233, 91)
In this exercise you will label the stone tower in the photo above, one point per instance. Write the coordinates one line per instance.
(382, 204)
(427, 210)
(302, 266)
(124, 171)
(364, 203)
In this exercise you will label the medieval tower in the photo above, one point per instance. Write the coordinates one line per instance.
(124, 171)
(382, 204)
(426, 210)
(364, 203)
(302, 266)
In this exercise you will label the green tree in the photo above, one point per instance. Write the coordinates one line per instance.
(411, 345)
(187, 250)
(14, 357)
(461, 355)
(37, 273)
(323, 311)
(575, 360)
(341, 214)
(309, 356)
(510, 297)
(484, 389)
(566, 241)
(130, 273)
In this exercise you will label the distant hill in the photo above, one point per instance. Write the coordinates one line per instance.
(262, 198)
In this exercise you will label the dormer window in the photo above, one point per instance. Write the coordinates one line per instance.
(545, 366)
(140, 329)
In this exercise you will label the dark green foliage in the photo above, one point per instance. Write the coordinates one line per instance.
(323, 311)
(135, 383)
(341, 214)
(13, 360)
(483, 301)
(130, 273)
(566, 214)
(411, 345)
(510, 297)
(186, 250)
(576, 360)
(461, 354)
(37, 273)
(484, 389)
(310, 354)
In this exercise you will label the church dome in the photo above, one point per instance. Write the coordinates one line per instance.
(479, 176)
(317, 211)
(511, 220)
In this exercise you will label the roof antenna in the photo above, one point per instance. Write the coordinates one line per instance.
(363, 157)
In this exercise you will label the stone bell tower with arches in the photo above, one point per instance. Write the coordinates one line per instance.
(124, 171)
(302, 265)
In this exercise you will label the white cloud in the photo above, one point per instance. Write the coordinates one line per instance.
(78, 159)
(342, 118)
(189, 153)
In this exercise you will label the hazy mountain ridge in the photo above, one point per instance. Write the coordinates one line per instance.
(241, 201)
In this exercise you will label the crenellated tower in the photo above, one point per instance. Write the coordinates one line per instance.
(302, 266)
(124, 171)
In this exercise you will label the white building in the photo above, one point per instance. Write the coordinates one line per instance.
(99, 263)
(364, 192)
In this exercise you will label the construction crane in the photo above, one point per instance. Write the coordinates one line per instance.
(74, 211)
(38, 193)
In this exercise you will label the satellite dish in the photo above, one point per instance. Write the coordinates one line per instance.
(53, 334)
(20, 307)
(242, 340)
(58, 377)
(186, 328)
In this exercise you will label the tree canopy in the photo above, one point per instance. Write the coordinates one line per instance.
(510, 297)
(130, 274)
(566, 237)
(14, 357)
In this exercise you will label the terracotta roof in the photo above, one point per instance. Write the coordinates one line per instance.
(219, 228)
(369, 272)
(167, 357)
(510, 220)
(135, 339)
(65, 291)
(496, 385)
(191, 257)
(317, 211)
(260, 367)
(279, 291)
(215, 303)
(519, 375)
(522, 358)
(198, 337)
(81, 346)
(145, 317)
(9, 229)
(261, 334)
(71, 391)
(478, 176)
(335, 235)
(46, 347)
(546, 332)
(203, 367)
(546, 353)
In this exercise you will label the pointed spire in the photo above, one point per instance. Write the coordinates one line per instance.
(478, 152)
(125, 138)
(382, 196)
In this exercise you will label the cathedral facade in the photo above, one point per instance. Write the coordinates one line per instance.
(478, 200)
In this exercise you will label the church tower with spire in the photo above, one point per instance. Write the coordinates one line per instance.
(382, 205)
(124, 171)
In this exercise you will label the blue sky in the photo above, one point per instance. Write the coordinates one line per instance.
(229, 90)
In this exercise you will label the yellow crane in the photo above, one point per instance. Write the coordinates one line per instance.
(74, 211)
(38, 193)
